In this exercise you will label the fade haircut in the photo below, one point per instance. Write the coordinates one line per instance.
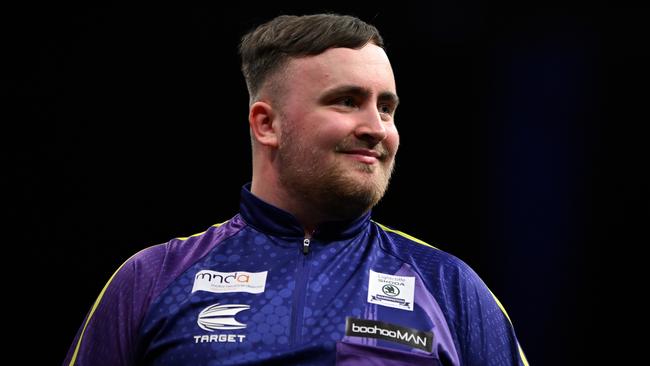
(266, 49)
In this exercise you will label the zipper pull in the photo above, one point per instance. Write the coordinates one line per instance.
(305, 246)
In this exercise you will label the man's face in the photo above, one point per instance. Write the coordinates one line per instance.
(337, 136)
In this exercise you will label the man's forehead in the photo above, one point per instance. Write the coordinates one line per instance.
(370, 54)
(366, 67)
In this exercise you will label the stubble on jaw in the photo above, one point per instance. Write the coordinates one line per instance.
(332, 189)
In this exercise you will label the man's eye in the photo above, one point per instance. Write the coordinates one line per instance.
(385, 108)
(347, 102)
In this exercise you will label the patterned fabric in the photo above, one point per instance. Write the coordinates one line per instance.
(254, 290)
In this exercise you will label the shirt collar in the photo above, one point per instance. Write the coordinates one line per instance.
(273, 220)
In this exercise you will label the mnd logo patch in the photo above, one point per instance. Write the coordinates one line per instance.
(223, 282)
(389, 332)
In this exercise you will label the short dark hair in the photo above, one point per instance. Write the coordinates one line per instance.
(268, 47)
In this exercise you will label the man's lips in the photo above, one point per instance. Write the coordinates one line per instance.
(367, 156)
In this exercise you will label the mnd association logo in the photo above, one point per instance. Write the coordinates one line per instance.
(222, 282)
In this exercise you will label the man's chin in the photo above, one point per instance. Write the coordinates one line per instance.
(358, 194)
(373, 182)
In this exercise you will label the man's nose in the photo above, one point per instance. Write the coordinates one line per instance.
(371, 128)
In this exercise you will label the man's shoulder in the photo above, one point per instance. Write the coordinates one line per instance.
(195, 245)
(441, 271)
(170, 258)
(419, 253)
(152, 269)
(407, 243)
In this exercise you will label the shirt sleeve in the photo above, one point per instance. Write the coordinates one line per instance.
(109, 333)
(484, 332)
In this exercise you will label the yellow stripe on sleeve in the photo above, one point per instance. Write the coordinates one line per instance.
(101, 295)
(503, 309)
(385, 228)
(521, 351)
(203, 232)
(95, 305)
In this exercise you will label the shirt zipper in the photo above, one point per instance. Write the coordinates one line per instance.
(300, 294)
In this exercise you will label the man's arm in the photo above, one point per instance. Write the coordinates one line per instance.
(109, 333)
(485, 333)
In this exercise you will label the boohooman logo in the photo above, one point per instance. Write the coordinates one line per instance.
(368, 328)
(221, 317)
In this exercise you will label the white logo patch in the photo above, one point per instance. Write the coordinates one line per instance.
(220, 282)
(390, 290)
(221, 317)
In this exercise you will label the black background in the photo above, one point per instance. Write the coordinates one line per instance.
(522, 151)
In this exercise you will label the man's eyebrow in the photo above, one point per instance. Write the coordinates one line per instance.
(358, 91)
(389, 97)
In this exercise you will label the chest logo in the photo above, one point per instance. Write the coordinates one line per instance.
(222, 282)
(221, 317)
(389, 332)
(391, 290)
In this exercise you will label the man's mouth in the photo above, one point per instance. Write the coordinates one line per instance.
(367, 156)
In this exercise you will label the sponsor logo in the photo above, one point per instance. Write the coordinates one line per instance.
(221, 317)
(222, 282)
(220, 338)
(391, 291)
(389, 332)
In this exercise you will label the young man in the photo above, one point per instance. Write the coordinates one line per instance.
(302, 275)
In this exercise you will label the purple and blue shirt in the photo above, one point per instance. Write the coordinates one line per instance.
(253, 290)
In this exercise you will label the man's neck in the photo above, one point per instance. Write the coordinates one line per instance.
(309, 217)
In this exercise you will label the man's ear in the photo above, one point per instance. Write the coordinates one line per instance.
(263, 123)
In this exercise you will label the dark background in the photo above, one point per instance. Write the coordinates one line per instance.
(522, 151)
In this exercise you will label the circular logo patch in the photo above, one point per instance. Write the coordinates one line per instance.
(390, 290)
